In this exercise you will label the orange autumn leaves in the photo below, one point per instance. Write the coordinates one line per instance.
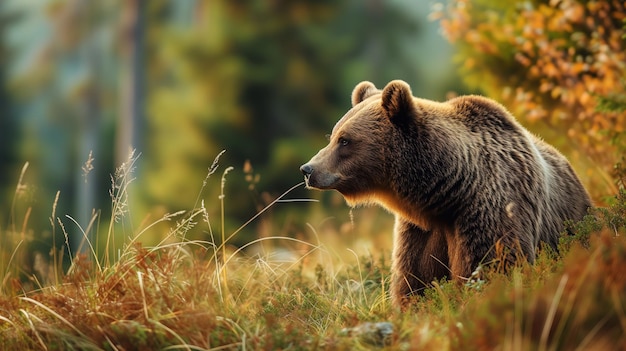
(551, 61)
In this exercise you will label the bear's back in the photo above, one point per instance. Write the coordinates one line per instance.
(479, 113)
(530, 179)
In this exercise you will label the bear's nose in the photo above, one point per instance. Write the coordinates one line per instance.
(306, 169)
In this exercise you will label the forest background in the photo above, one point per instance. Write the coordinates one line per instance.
(82, 83)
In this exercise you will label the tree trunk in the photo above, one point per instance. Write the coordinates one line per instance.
(129, 128)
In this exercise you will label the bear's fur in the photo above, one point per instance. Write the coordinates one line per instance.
(466, 182)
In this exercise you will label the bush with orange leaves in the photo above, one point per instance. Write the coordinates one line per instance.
(556, 62)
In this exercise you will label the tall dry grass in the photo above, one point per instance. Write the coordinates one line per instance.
(202, 295)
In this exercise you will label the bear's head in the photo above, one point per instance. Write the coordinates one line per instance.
(357, 160)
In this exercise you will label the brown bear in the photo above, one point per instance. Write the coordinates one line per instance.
(467, 183)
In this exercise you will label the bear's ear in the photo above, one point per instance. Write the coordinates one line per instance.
(362, 91)
(397, 101)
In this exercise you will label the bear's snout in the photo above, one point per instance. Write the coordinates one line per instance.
(318, 178)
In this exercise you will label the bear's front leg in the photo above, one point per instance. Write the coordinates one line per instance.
(419, 257)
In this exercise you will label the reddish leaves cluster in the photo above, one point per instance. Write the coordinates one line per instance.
(551, 61)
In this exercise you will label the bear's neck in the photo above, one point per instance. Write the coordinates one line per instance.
(427, 186)
(405, 209)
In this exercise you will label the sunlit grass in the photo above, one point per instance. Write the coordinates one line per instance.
(184, 294)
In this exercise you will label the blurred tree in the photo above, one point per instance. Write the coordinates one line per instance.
(551, 61)
(9, 128)
(64, 76)
(132, 88)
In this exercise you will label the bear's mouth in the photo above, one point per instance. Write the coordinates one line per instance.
(311, 182)
(306, 180)
(321, 181)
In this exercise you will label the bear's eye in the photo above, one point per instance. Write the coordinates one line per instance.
(343, 141)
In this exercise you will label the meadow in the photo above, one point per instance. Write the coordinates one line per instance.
(184, 294)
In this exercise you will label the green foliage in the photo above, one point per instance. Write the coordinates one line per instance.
(263, 80)
(612, 103)
(616, 103)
